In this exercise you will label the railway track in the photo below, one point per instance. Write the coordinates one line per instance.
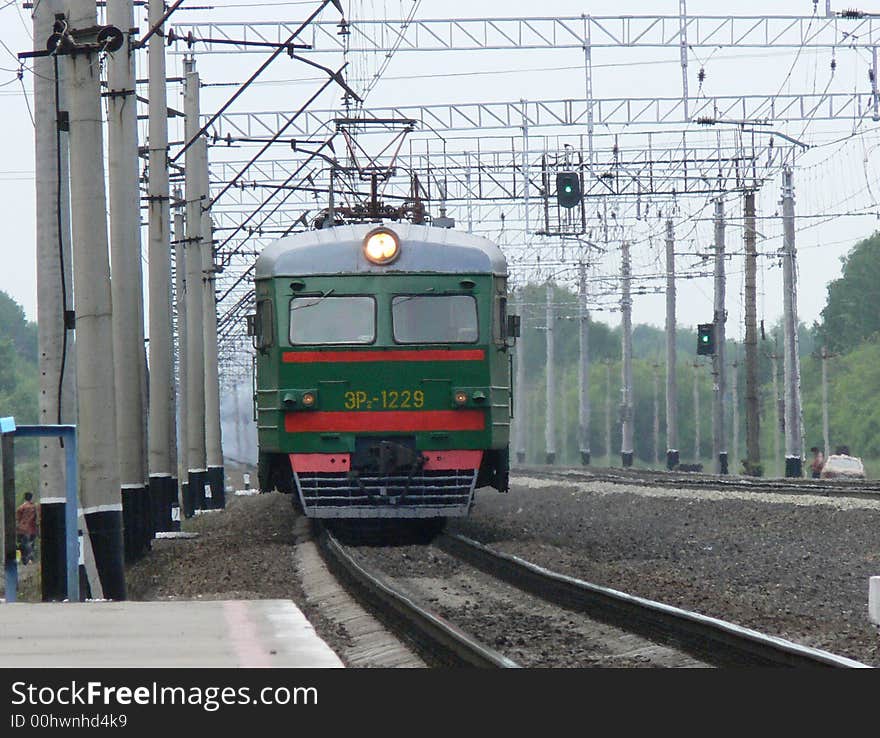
(653, 478)
(700, 640)
(438, 641)
(710, 640)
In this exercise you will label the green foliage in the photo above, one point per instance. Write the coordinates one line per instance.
(854, 380)
(19, 377)
(852, 312)
(16, 328)
(649, 347)
(854, 403)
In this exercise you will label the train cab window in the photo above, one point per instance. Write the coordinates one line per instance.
(501, 328)
(499, 322)
(435, 319)
(320, 319)
(264, 325)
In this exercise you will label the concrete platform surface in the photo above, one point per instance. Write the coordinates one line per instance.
(192, 633)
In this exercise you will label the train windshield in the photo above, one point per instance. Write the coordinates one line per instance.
(317, 320)
(435, 319)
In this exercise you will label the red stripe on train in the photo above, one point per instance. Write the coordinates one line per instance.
(444, 460)
(320, 462)
(385, 421)
(312, 357)
(434, 461)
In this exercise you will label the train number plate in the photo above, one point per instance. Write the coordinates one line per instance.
(385, 400)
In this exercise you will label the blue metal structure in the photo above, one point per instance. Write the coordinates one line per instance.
(68, 435)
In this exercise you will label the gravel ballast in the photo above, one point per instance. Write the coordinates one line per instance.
(526, 629)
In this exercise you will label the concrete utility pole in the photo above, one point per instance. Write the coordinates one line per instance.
(185, 501)
(520, 389)
(196, 196)
(672, 455)
(163, 403)
(608, 411)
(719, 370)
(778, 422)
(55, 340)
(792, 367)
(826, 436)
(734, 412)
(584, 368)
(656, 368)
(626, 391)
(96, 431)
(550, 409)
(127, 285)
(213, 434)
(562, 431)
(753, 415)
(697, 450)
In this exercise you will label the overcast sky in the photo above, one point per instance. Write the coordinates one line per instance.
(832, 179)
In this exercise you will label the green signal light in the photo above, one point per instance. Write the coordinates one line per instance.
(568, 190)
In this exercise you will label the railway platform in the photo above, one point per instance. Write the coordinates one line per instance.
(179, 633)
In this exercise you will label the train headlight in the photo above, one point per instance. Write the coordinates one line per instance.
(308, 399)
(461, 397)
(381, 246)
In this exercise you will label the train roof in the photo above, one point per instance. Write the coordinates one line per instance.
(339, 250)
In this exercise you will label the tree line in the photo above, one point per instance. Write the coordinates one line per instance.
(849, 327)
(19, 385)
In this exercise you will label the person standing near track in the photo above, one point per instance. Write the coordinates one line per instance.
(26, 527)
(817, 463)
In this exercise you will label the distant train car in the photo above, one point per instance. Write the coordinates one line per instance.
(383, 383)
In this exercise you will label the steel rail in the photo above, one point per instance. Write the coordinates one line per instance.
(709, 639)
(435, 638)
(656, 478)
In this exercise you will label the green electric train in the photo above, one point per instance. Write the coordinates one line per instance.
(383, 372)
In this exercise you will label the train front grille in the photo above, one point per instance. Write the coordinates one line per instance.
(447, 493)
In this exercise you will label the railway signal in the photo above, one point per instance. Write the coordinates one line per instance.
(706, 339)
(568, 189)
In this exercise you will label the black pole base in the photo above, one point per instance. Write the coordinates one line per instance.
(626, 458)
(520, 458)
(53, 552)
(137, 524)
(172, 502)
(160, 502)
(197, 481)
(753, 468)
(585, 458)
(147, 529)
(217, 481)
(793, 466)
(550, 458)
(105, 533)
(672, 459)
(188, 507)
(722, 462)
(157, 489)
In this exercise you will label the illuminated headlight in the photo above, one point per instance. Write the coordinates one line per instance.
(461, 398)
(381, 246)
(308, 399)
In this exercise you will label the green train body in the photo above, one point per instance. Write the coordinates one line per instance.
(383, 389)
